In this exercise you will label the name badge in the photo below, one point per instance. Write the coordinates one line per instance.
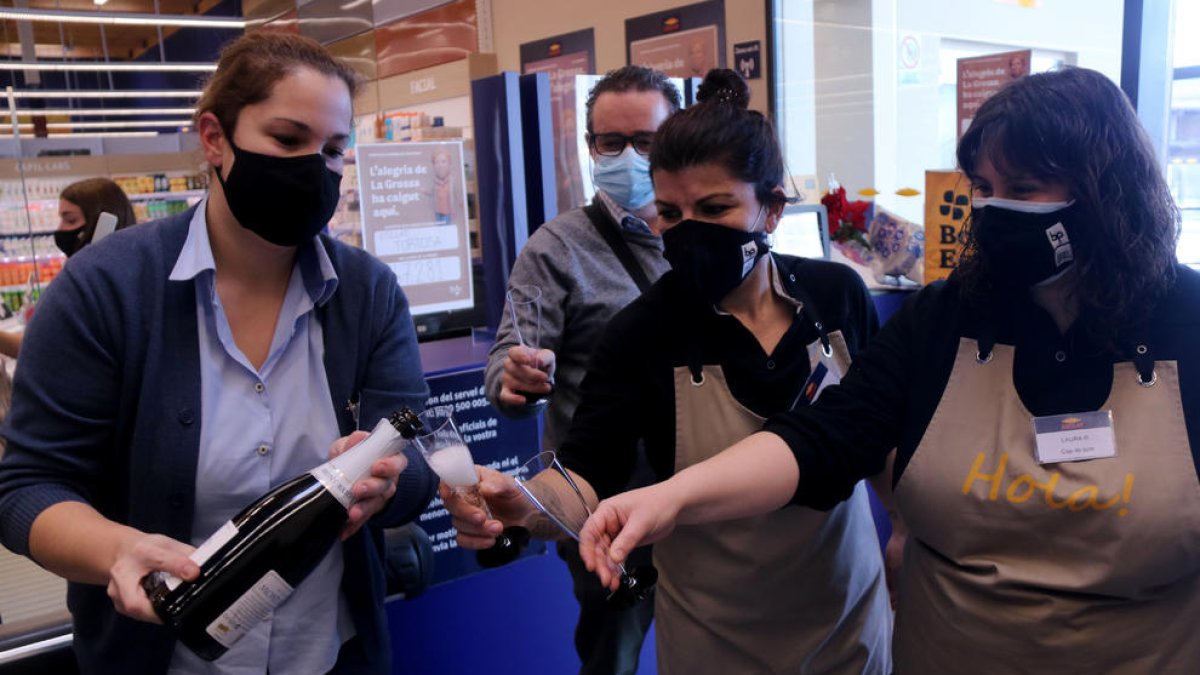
(1074, 438)
(823, 375)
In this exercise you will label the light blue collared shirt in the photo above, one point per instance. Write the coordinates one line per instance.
(260, 428)
(627, 221)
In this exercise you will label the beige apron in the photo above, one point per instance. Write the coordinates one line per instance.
(1075, 567)
(794, 591)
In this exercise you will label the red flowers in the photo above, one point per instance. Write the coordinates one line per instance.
(847, 220)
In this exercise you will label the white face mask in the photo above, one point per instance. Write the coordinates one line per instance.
(1019, 205)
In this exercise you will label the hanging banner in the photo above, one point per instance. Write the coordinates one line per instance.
(682, 42)
(413, 208)
(981, 76)
(947, 205)
(564, 57)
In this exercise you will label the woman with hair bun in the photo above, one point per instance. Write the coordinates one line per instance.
(1043, 403)
(730, 336)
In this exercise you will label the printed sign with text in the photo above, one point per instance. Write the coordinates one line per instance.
(414, 219)
(981, 76)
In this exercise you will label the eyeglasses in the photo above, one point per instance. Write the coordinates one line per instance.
(612, 145)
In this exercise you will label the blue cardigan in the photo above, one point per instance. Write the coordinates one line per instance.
(106, 410)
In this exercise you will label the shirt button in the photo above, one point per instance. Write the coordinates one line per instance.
(258, 387)
(263, 450)
(770, 364)
(1060, 356)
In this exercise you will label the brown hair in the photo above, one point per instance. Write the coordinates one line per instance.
(94, 196)
(250, 66)
(1077, 127)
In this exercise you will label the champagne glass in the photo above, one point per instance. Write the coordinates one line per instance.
(525, 310)
(447, 454)
(551, 494)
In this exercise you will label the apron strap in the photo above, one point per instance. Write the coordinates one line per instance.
(1143, 361)
(985, 343)
(695, 364)
(808, 308)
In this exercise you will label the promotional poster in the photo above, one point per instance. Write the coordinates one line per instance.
(413, 208)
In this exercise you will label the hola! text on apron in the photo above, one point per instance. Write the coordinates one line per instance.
(1020, 566)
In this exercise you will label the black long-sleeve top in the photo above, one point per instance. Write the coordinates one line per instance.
(891, 392)
(629, 393)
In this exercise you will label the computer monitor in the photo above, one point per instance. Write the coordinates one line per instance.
(803, 231)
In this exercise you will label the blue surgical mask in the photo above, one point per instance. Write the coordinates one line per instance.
(625, 178)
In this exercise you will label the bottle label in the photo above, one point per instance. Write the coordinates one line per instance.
(338, 483)
(250, 609)
(206, 550)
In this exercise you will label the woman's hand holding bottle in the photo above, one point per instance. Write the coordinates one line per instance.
(139, 554)
(372, 493)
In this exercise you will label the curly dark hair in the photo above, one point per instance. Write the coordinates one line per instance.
(633, 78)
(1075, 127)
(720, 129)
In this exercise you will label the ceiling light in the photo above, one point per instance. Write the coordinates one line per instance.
(100, 66)
(139, 124)
(97, 134)
(121, 18)
(98, 112)
(177, 93)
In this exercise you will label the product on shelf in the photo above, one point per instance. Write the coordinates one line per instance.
(135, 186)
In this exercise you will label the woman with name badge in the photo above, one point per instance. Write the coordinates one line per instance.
(730, 335)
(1045, 406)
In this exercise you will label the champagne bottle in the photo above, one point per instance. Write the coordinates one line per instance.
(254, 561)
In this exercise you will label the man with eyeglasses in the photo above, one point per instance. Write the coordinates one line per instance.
(589, 263)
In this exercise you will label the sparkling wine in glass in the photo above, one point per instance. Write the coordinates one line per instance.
(525, 311)
(444, 449)
(556, 495)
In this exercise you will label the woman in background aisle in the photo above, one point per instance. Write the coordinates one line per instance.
(729, 336)
(212, 356)
(1045, 402)
(79, 207)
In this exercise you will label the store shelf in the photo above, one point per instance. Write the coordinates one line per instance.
(35, 233)
(166, 194)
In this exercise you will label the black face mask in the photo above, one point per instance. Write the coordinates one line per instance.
(69, 241)
(1024, 243)
(712, 259)
(284, 200)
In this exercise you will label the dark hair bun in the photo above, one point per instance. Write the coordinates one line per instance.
(723, 85)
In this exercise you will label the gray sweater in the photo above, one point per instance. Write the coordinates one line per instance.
(583, 285)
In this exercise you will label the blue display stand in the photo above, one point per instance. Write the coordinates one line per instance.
(514, 620)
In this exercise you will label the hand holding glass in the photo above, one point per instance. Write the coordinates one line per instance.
(551, 493)
(525, 311)
(447, 454)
